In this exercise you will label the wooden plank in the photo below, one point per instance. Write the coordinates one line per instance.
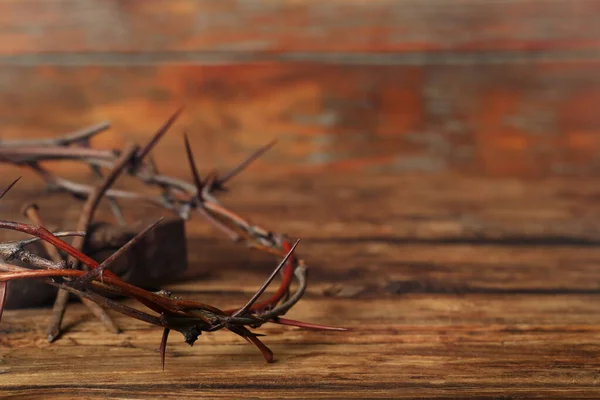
(158, 26)
(501, 314)
(446, 234)
(409, 209)
(402, 210)
(522, 120)
(427, 345)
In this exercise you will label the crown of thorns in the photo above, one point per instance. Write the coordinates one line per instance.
(96, 285)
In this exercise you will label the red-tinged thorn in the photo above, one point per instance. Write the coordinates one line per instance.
(307, 325)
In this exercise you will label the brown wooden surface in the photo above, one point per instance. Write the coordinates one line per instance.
(248, 27)
(453, 287)
(529, 120)
(489, 88)
(438, 159)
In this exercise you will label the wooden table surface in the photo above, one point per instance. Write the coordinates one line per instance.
(452, 287)
(438, 160)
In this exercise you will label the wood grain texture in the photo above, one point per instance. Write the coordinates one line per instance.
(438, 160)
(129, 26)
(494, 88)
(454, 287)
(522, 120)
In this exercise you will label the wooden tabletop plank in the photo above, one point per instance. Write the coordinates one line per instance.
(350, 206)
(425, 344)
(43, 27)
(486, 119)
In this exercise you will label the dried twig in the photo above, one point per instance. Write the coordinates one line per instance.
(62, 298)
(86, 217)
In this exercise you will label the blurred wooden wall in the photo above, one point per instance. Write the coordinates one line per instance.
(481, 87)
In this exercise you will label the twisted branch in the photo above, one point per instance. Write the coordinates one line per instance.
(190, 318)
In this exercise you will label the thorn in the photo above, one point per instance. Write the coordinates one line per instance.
(143, 152)
(209, 182)
(306, 325)
(88, 277)
(219, 183)
(9, 187)
(199, 192)
(3, 292)
(252, 338)
(260, 291)
(193, 167)
(163, 346)
(58, 311)
(266, 352)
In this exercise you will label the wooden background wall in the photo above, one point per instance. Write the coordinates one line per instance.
(482, 87)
